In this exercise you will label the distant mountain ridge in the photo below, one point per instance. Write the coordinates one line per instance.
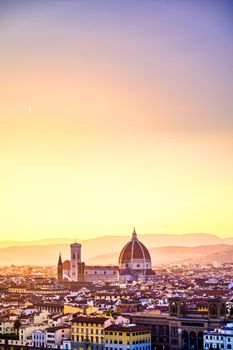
(105, 250)
(178, 254)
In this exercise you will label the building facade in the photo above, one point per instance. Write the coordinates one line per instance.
(88, 332)
(127, 337)
(181, 328)
(135, 262)
(134, 265)
(219, 338)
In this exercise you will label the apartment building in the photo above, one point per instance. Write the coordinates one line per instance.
(127, 337)
(88, 332)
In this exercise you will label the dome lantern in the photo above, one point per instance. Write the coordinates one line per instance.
(134, 235)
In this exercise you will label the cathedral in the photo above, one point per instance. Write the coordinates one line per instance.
(134, 265)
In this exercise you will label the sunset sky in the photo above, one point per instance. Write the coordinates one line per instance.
(115, 114)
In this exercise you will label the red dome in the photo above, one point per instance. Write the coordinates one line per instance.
(66, 265)
(134, 250)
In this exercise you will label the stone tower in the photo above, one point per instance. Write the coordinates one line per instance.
(60, 269)
(216, 308)
(75, 260)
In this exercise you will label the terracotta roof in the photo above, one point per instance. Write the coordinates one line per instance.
(127, 328)
(134, 250)
(66, 265)
(90, 319)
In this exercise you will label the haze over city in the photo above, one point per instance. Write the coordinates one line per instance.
(115, 114)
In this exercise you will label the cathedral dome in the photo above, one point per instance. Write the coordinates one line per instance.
(66, 265)
(134, 251)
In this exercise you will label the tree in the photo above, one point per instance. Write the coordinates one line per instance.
(17, 325)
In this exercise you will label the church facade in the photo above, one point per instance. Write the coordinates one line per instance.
(134, 265)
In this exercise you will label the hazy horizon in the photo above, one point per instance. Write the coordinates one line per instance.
(115, 115)
(91, 237)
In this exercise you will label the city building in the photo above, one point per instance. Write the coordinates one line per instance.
(88, 332)
(219, 338)
(127, 337)
(134, 265)
(135, 262)
(56, 335)
(39, 338)
(181, 328)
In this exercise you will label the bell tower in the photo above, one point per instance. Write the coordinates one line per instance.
(177, 307)
(75, 260)
(60, 269)
(216, 308)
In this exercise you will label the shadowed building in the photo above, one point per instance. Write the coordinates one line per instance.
(60, 269)
(181, 328)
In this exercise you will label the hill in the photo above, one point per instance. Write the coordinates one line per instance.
(178, 254)
(105, 250)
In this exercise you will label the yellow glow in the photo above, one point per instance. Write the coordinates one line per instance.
(97, 138)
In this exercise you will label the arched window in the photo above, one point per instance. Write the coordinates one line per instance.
(213, 310)
(182, 308)
(222, 310)
(174, 308)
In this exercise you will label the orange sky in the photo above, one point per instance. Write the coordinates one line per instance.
(106, 125)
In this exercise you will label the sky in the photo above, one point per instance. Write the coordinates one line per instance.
(115, 114)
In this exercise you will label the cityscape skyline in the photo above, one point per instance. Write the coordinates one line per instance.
(114, 116)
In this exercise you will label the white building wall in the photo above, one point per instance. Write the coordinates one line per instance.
(26, 331)
(101, 273)
(7, 327)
